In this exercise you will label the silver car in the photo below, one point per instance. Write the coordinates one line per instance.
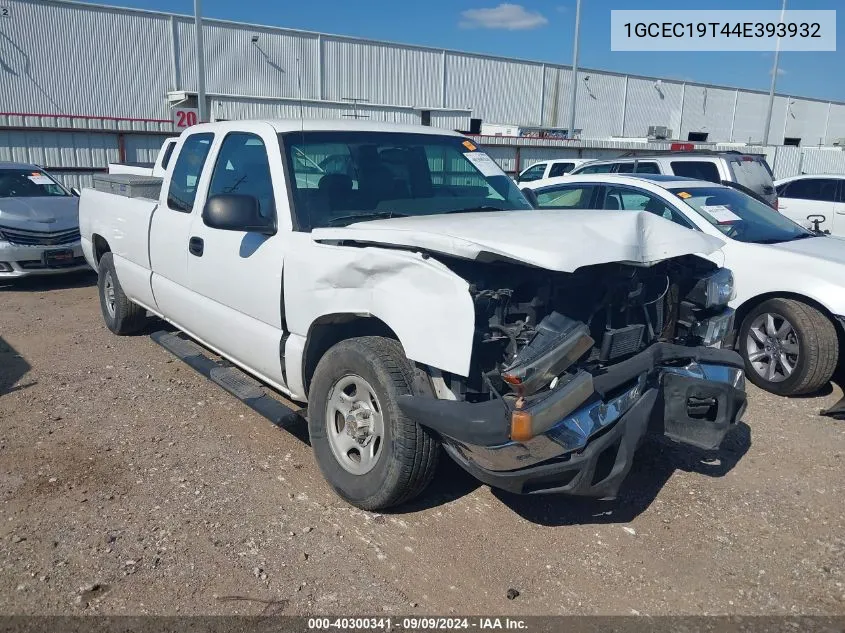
(39, 224)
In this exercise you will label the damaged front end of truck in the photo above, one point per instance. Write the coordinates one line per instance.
(571, 371)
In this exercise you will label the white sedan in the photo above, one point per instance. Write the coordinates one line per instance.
(790, 282)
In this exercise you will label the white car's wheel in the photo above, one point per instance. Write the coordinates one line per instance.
(789, 347)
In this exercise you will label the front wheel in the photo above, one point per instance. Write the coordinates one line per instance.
(367, 449)
(789, 347)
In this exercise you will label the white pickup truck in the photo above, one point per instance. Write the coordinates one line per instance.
(406, 291)
(155, 169)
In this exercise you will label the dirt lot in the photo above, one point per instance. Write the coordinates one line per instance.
(130, 484)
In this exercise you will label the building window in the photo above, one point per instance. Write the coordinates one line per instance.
(425, 117)
(698, 137)
(792, 141)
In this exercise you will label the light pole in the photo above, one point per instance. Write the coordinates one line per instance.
(774, 82)
(570, 130)
(201, 104)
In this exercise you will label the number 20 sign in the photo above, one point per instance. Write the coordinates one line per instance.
(185, 117)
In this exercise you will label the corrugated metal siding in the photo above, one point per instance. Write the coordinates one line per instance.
(234, 65)
(142, 148)
(707, 110)
(823, 161)
(805, 120)
(495, 90)
(392, 75)
(836, 123)
(649, 106)
(599, 102)
(786, 162)
(58, 149)
(86, 66)
(751, 118)
(232, 109)
(450, 120)
(70, 180)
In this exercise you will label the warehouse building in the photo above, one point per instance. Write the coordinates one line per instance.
(82, 85)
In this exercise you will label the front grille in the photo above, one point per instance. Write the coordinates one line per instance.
(39, 238)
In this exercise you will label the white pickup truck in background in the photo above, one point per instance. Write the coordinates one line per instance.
(414, 300)
(155, 169)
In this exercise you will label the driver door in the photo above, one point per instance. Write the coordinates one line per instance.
(237, 275)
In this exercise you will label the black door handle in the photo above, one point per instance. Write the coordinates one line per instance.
(195, 246)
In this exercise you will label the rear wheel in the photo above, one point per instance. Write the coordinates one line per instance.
(368, 450)
(789, 347)
(119, 313)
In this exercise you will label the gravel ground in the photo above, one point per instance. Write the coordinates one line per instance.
(131, 485)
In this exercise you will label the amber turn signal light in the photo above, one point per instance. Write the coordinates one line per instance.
(521, 426)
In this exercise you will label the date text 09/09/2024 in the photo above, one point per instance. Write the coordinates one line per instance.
(416, 623)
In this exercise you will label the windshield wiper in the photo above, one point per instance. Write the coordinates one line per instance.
(474, 209)
(781, 241)
(373, 215)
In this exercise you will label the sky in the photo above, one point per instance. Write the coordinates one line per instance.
(542, 30)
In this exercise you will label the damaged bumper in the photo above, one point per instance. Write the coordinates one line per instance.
(691, 395)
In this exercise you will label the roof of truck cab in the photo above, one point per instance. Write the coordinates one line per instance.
(19, 166)
(322, 125)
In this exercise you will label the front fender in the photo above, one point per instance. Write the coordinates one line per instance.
(427, 305)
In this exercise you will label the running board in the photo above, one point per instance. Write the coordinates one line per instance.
(244, 387)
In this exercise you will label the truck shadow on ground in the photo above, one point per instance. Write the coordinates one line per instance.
(44, 283)
(654, 464)
(13, 367)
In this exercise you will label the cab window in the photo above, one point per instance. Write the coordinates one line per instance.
(535, 172)
(242, 168)
(186, 172)
(597, 169)
(570, 197)
(697, 169)
(559, 169)
(629, 199)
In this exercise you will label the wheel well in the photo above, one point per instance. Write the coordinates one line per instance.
(331, 329)
(101, 247)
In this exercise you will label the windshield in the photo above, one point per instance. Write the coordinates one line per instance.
(740, 216)
(343, 177)
(28, 183)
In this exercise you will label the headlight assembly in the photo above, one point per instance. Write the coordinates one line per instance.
(715, 290)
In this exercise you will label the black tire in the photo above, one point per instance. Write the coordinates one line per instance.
(818, 347)
(408, 452)
(124, 317)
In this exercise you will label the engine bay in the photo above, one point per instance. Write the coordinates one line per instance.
(597, 316)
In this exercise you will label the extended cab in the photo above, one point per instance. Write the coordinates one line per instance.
(156, 169)
(414, 299)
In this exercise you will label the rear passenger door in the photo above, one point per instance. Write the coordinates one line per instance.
(171, 224)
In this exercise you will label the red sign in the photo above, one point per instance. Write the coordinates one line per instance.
(682, 147)
(185, 117)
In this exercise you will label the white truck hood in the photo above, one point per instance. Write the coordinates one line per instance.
(547, 238)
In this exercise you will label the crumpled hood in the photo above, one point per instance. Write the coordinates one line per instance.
(827, 248)
(547, 238)
(48, 213)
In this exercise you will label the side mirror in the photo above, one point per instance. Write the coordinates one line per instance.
(531, 197)
(75, 191)
(236, 212)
